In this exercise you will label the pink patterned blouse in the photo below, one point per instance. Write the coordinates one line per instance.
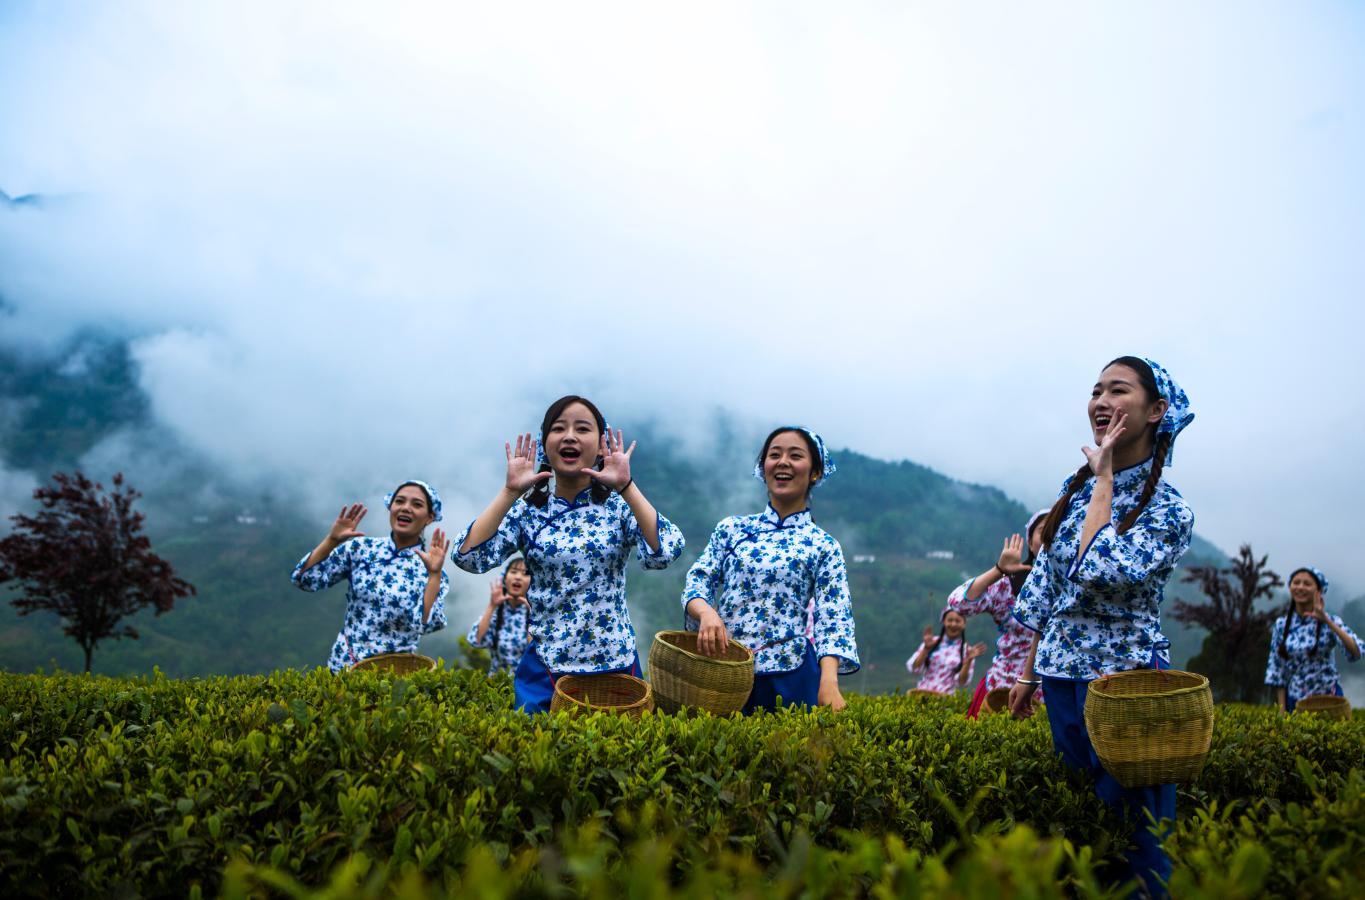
(1011, 648)
(939, 672)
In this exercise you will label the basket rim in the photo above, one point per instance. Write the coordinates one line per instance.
(383, 656)
(644, 698)
(659, 638)
(1322, 700)
(1104, 681)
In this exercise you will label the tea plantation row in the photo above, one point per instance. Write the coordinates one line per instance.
(365, 785)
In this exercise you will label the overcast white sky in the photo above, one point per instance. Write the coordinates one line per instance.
(360, 242)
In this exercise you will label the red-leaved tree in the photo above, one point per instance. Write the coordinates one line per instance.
(83, 557)
(1233, 656)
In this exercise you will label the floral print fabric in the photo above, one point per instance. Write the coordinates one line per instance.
(939, 673)
(1312, 647)
(576, 553)
(1011, 647)
(506, 640)
(760, 574)
(383, 602)
(1099, 607)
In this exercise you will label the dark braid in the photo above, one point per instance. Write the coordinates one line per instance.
(1058, 511)
(497, 626)
(1163, 443)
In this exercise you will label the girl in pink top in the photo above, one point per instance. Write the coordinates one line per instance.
(944, 661)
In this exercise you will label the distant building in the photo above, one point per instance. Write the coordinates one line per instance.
(864, 557)
(939, 554)
(246, 518)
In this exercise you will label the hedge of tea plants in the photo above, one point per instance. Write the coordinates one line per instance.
(373, 785)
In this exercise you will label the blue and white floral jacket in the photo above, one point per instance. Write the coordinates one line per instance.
(507, 640)
(759, 573)
(1099, 609)
(576, 554)
(1312, 666)
(383, 602)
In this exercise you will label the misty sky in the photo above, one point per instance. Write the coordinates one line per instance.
(361, 243)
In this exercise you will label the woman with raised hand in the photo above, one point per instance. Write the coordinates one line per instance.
(571, 507)
(1094, 596)
(504, 628)
(760, 573)
(1304, 641)
(945, 661)
(993, 593)
(397, 589)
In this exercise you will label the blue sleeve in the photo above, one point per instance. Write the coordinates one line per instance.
(1274, 667)
(834, 634)
(703, 578)
(473, 635)
(504, 543)
(336, 567)
(671, 541)
(1350, 657)
(1152, 547)
(1033, 606)
(437, 621)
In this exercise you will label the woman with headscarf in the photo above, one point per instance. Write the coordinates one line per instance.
(1094, 596)
(1302, 651)
(504, 628)
(397, 589)
(571, 507)
(759, 574)
(993, 593)
(945, 661)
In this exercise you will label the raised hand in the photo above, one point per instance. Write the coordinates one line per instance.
(1101, 458)
(1319, 611)
(495, 592)
(521, 465)
(976, 650)
(344, 528)
(930, 639)
(1011, 560)
(435, 556)
(615, 472)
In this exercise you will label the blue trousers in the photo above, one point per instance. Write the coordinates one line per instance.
(533, 686)
(1066, 714)
(800, 685)
(1290, 701)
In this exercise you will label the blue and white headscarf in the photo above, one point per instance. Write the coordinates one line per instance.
(1317, 574)
(1178, 413)
(431, 494)
(827, 466)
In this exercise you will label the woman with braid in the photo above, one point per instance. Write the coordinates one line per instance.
(1303, 643)
(1094, 596)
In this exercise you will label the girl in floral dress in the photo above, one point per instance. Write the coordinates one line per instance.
(1094, 596)
(993, 593)
(1304, 641)
(759, 574)
(504, 628)
(944, 661)
(397, 590)
(571, 507)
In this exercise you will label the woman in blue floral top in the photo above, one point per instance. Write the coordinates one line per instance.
(1094, 595)
(1304, 641)
(504, 627)
(577, 539)
(397, 589)
(759, 573)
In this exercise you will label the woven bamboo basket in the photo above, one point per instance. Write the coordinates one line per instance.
(682, 677)
(617, 693)
(1150, 727)
(1326, 705)
(397, 663)
(997, 700)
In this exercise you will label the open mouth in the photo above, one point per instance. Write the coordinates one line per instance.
(403, 519)
(570, 454)
(782, 477)
(1102, 420)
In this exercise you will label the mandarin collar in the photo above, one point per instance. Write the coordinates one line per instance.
(582, 498)
(1135, 474)
(771, 517)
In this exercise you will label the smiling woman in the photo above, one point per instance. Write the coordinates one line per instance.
(576, 539)
(762, 576)
(397, 589)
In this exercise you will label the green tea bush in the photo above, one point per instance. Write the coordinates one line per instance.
(154, 786)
